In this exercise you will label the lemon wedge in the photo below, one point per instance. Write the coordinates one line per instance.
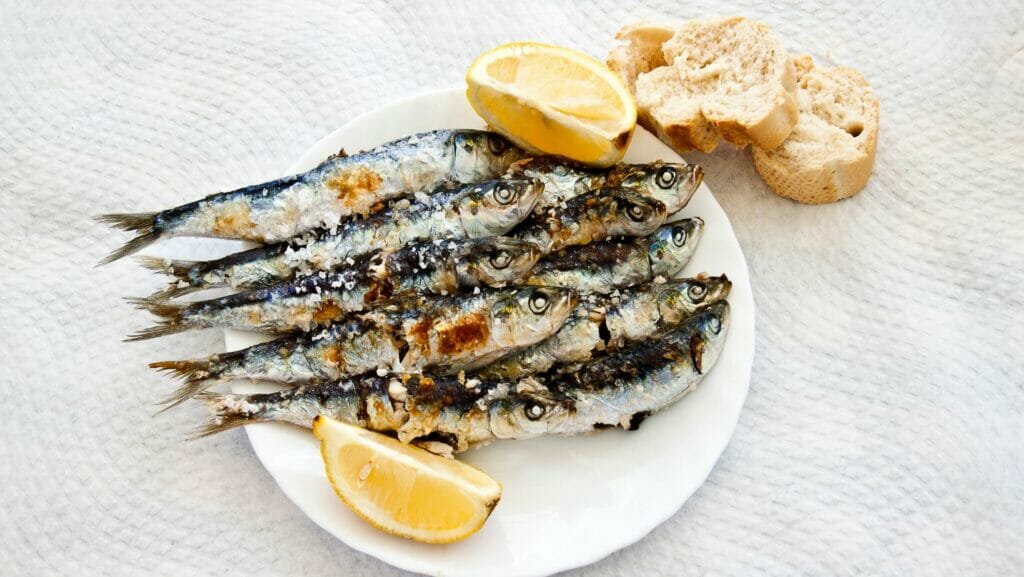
(553, 100)
(404, 490)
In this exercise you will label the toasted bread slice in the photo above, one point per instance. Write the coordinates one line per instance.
(729, 78)
(830, 153)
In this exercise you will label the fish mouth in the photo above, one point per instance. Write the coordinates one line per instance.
(686, 192)
(695, 180)
(530, 196)
(724, 284)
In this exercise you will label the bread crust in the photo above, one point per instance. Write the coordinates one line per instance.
(641, 52)
(813, 181)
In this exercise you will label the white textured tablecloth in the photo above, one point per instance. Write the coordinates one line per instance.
(884, 431)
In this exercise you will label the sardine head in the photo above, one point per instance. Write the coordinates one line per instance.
(480, 155)
(678, 300)
(531, 314)
(527, 413)
(672, 183)
(634, 214)
(712, 326)
(495, 261)
(494, 207)
(673, 245)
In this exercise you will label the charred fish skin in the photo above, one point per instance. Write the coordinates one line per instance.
(607, 323)
(604, 266)
(591, 217)
(417, 408)
(473, 211)
(339, 187)
(597, 267)
(619, 390)
(671, 183)
(457, 333)
(315, 301)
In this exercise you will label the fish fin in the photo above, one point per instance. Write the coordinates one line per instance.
(177, 269)
(697, 352)
(143, 223)
(172, 317)
(169, 313)
(229, 411)
(197, 375)
(194, 374)
(160, 330)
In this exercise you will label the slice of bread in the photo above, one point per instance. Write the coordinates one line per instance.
(830, 153)
(639, 50)
(729, 78)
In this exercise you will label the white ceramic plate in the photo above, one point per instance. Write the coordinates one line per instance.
(567, 501)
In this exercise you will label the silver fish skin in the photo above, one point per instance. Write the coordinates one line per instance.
(456, 333)
(472, 211)
(591, 217)
(604, 266)
(607, 323)
(616, 391)
(619, 390)
(339, 187)
(671, 183)
(315, 301)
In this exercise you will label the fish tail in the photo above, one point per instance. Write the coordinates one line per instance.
(143, 223)
(168, 312)
(196, 376)
(160, 330)
(172, 318)
(230, 411)
(178, 270)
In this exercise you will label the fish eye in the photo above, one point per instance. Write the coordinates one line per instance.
(539, 303)
(678, 236)
(697, 292)
(504, 193)
(496, 144)
(666, 177)
(715, 324)
(534, 410)
(501, 259)
(636, 212)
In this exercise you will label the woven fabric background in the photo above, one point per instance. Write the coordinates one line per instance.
(884, 430)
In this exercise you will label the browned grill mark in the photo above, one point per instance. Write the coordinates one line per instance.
(254, 317)
(335, 355)
(233, 220)
(379, 290)
(419, 334)
(327, 312)
(466, 333)
(356, 186)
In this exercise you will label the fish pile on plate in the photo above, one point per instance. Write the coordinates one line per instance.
(447, 288)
